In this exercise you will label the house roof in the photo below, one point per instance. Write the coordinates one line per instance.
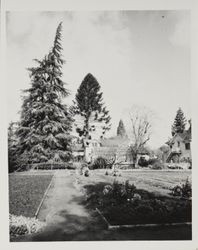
(185, 136)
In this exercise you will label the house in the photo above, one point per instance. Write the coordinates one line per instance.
(110, 148)
(83, 149)
(180, 147)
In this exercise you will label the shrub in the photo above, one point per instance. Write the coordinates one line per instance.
(184, 190)
(119, 191)
(100, 163)
(156, 164)
(86, 173)
(143, 162)
(187, 189)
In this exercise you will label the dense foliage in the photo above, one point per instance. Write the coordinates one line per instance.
(89, 110)
(153, 163)
(179, 122)
(99, 163)
(12, 147)
(184, 190)
(102, 163)
(45, 125)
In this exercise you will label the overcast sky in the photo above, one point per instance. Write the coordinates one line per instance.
(138, 57)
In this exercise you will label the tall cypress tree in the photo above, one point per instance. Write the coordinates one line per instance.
(121, 130)
(44, 129)
(89, 106)
(179, 122)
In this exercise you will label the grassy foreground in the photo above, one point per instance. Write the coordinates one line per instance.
(26, 192)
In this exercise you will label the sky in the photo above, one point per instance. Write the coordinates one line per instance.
(138, 57)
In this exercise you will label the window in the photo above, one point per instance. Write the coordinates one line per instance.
(187, 145)
(178, 143)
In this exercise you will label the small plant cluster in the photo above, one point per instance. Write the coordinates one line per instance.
(184, 190)
(121, 191)
(20, 225)
(113, 173)
(84, 169)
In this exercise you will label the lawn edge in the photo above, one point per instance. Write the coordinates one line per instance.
(140, 225)
(42, 200)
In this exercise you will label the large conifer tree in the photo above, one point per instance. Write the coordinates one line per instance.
(179, 122)
(90, 109)
(44, 129)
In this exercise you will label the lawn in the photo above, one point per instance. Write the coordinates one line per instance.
(158, 182)
(26, 192)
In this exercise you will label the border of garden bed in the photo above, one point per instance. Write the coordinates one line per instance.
(44, 196)
(139, 225)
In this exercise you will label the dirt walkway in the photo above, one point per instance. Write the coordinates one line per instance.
(67, 219)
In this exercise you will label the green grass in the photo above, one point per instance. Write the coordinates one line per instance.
(26, 192)
(159, 182)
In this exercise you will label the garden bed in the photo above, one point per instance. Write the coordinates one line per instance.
(123, 205)
(20, 225)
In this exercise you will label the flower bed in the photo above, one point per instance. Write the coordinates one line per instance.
(20, 225)
(124, 204)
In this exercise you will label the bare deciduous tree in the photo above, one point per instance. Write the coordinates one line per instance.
(141, 124)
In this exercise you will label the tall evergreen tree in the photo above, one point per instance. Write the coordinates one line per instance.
(121, 130)
(45, 125)
(91, 114)
(179, 122)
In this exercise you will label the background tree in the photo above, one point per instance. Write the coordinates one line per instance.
(179, 122)
(141, 125)
(163, 152)
(12, 147)
(45, 125)
(89, 110)
(121, 132)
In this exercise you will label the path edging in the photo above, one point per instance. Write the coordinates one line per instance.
(44, 196)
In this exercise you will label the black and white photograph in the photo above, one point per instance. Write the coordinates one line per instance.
(99, 125)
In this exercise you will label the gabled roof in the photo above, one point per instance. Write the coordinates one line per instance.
(185, 136)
